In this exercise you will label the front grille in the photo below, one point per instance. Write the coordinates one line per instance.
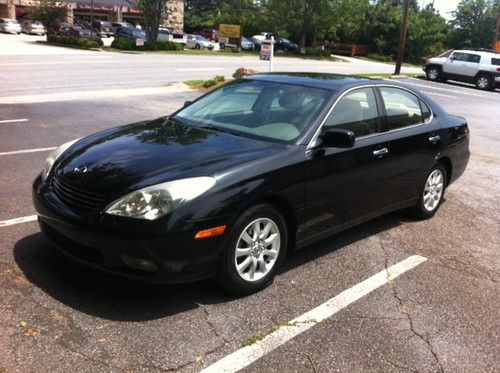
(76, 197)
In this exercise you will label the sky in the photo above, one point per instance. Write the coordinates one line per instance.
(444, 6)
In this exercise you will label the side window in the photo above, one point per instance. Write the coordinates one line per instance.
(357, 112)
(402, 107)
(474, 58)
(459, 57)
(495, 61)
(426, 111)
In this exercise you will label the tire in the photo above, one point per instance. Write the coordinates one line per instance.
(432, 194)
(253, 275)
(484, 82)
(433, 73)
(197, 46)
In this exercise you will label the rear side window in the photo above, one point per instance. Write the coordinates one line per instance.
(402, 108)
(495, 61)
(357, 112)
(474, 58)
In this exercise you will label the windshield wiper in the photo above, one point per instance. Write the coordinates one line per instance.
(220, 129)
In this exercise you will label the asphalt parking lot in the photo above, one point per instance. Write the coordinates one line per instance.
(439, 315)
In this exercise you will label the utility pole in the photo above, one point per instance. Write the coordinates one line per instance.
(91, 18)
(402, 38)
(497, 28)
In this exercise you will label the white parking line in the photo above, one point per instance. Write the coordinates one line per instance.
(85, 95)
(14, 120)
(24, 219)
(249, 354)
(27, 151)
(200, 69)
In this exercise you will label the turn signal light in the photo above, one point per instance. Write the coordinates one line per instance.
(212, 232)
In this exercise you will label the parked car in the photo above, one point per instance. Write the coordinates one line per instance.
(116, 25)
(284, 44)
(33, 27)
(479, 67)
(10, 26)
(103, 28)
(130, 33)
(246, 44)
(209, 33)
(198, 42)
(225, 186)
(168, 33)
(76, 31)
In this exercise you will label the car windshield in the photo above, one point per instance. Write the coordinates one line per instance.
(200, 38)
(265, 110)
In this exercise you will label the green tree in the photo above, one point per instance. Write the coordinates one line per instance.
(154, 12)
(473, 24)
(51, 14)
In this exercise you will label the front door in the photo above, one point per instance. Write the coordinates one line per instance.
(345, 185)
(455, 64)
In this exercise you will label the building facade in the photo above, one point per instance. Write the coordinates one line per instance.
(80, 11)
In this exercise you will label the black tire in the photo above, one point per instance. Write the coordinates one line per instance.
(433, 73)
(420, 210)
(197, 46)
(484, 82)
(227, 276)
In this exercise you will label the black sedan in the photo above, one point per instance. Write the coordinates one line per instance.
(228, 184)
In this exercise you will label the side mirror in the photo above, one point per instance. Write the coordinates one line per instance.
(187, 103)
(338, 138)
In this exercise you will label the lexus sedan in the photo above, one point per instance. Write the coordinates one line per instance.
(229, 183)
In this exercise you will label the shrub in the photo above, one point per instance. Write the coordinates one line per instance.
(219, 78)
(83, 42)
(150, 46)
(92, 44)
(51, 38)
(123, 44)
(317, 52)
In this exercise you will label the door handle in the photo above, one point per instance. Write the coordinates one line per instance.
(380, 152)
(434, 138)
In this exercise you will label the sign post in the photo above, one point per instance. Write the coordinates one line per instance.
(267, 52)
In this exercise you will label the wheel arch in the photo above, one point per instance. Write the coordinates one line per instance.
(446, 162)
(284, 206)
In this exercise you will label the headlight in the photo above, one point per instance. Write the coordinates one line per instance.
(158, 200)
(49, 162)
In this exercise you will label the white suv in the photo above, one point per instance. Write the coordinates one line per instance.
(472, 66)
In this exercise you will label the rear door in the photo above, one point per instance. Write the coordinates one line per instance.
(414, 137)
(345, 185)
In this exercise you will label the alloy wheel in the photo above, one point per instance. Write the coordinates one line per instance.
(483, 82)
(433, 74)
(433, 190)
(257, 249)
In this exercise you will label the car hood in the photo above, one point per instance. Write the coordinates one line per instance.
(123, 159)
(437, 60)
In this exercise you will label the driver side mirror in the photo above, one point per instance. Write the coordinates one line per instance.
(337, 138)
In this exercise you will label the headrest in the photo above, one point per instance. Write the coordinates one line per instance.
(292, 99)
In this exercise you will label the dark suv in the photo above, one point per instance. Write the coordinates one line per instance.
(103, 28)
(130, 33)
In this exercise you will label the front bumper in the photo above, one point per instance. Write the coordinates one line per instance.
(164, 252)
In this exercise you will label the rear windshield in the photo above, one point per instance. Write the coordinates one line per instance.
(251, 108)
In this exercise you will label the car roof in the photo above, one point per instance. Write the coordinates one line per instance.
(478, 52)
(315, 80)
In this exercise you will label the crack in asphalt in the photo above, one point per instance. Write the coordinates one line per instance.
(404, 311)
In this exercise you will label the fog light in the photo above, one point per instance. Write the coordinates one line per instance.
(139, 263)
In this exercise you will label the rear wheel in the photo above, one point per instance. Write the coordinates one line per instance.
(253, 251)
(432, 193)
(483, 82)
(433, 73)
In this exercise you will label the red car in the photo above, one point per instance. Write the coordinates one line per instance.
(209, 33)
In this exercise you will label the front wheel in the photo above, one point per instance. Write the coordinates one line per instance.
(432, 194)
(197, 46)
(252, 251)
(433, 73)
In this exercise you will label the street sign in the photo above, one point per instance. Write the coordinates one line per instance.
(265, 51)
(139, 42)
(229, 31)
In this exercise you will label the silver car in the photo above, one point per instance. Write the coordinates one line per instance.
(198, 42)
(10, 26)
(33, 27)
